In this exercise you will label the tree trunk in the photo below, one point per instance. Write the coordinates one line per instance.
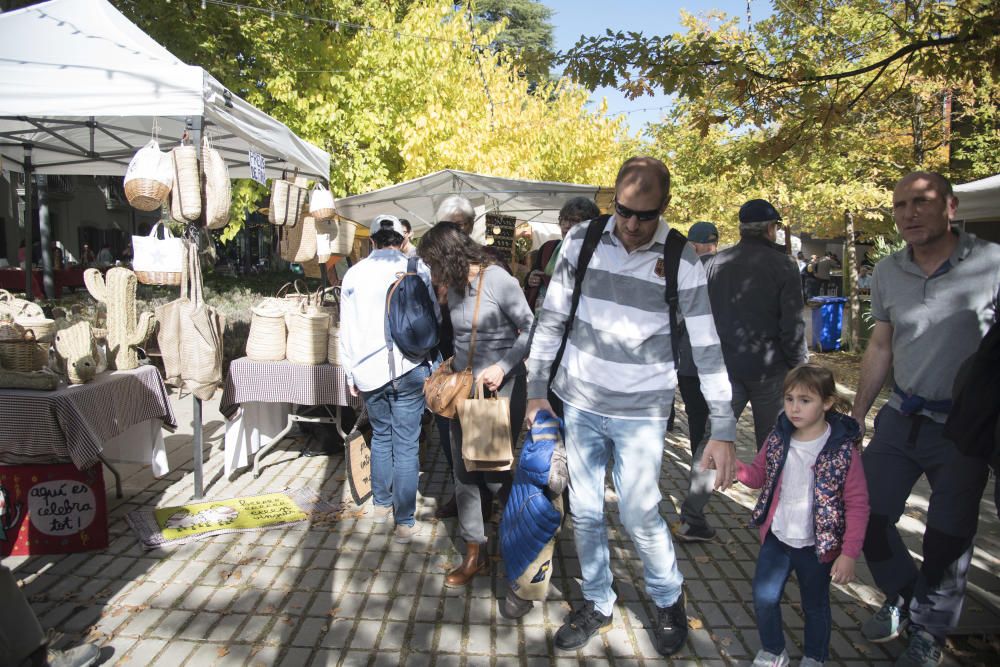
(851, 283)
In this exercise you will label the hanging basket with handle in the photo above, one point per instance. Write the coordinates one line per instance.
(185, 198)
(159, 257)
(217, 187)
(321, 203)
(148, 178)
(288, 201)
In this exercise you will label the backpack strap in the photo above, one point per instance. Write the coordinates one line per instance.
(594, 231)
(672, 251)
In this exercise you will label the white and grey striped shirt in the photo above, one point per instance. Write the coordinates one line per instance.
(618, 360)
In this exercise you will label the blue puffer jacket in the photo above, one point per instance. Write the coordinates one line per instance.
(529, 519)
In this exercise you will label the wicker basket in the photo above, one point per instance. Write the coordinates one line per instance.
(43, 328)
(321, 203)
(185, 198)
(15, 307)
(342, 243)
(148, 178)
(24, 355)
(308, 335)
(158, 277)
(288, 202)
(217, 187)
(266, 341)
(333, 346)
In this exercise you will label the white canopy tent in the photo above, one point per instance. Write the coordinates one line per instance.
(83, 86)
(979, 200)
(537, 202)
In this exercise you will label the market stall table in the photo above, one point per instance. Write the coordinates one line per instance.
(116, 417)
(259, 399)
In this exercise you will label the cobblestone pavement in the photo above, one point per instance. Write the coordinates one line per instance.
(346, 594)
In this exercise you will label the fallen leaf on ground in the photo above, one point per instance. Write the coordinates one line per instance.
(223, 651)
(695, 624)
(703, 559)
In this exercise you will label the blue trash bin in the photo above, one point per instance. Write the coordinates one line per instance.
(827, 322)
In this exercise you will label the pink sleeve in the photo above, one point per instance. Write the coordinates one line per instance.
(856, 507)
(753, 475)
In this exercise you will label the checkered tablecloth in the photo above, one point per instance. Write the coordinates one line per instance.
(284, 382)
(73, 421)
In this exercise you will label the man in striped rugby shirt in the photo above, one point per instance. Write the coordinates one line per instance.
(617, 380)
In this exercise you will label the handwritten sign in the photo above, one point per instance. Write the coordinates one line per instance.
(56, 509)
(258, 171)
(233, 514)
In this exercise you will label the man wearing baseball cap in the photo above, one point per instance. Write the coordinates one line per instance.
(756, 298)
(392, 387)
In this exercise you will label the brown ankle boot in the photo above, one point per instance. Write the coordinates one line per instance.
(476, 560)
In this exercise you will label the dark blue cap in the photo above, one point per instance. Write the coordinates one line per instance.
(758, 210)
(703, 232)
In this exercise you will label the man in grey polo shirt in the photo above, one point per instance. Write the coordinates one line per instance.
(932, 301)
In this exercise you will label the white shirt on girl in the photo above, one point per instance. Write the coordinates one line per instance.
(793, 520)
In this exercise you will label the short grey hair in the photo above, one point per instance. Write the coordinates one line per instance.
(758, 229)
(456, 204)
(580, 208)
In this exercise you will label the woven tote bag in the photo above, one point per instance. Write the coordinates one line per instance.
(158, 261)
(334, 238)
(217, 188)
(308, 336)
(185, 198)
(148, 178)
(288, 201)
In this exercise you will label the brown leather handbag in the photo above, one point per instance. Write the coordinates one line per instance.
(446, 388)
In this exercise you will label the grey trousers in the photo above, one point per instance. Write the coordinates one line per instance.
(470, 486)
(901, 450)
(20, 633)
(766, 398)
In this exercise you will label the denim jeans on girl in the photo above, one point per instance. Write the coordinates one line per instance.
(394, 413)
(774, 564)
(637, 448)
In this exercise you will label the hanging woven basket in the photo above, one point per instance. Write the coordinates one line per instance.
(217, 187)
(288, 201)
(185, 198)
(321, 203)
(148, 178)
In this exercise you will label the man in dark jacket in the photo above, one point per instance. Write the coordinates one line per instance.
(757, 302)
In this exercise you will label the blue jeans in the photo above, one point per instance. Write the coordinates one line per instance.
(774, 564)
(637, 448)
(395, 414)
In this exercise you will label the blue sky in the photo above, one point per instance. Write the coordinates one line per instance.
(572, 18)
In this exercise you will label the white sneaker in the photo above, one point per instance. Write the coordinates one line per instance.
(810, 662)
(765, 659)
(405, 533)
(381, 514)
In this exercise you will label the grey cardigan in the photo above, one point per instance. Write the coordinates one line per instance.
(504, 328)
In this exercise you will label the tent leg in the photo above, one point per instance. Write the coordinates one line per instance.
(29, 173)
(199, 489)
(45, 235)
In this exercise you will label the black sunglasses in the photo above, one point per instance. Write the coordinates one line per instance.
(641, 216)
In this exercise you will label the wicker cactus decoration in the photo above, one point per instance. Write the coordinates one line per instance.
(77, 353)
(125, 331)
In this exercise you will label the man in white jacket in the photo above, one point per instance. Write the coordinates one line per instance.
(390, 383)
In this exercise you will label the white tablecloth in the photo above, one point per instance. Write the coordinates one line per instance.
(253, 427)
(142, 444)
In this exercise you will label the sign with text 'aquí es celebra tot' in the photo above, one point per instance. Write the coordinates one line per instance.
(52, 509)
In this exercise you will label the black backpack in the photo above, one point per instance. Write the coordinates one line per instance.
(411, 322)
(672, 251)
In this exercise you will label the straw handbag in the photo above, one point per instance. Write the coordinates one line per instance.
(268, 334)
(148, 178)
(156, 260)
(43, 328)
(217, 193)
(333, 346)
(285, 300)
(190, 335)
(288, 201)
(185, 198)
(16, 308)
(321, 203)
(298, 243)
(308, 337)
(486, 439)
(334, 238)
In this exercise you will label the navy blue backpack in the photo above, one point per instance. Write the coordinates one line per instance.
(411, 321)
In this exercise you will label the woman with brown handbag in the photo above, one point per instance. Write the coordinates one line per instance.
(492, 324)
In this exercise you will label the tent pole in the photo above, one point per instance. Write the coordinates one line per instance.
(45, 235)
(29, 172)
(194, 125)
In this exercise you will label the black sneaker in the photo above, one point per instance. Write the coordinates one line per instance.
(671, 627)
(582, 623)
(514, 606)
